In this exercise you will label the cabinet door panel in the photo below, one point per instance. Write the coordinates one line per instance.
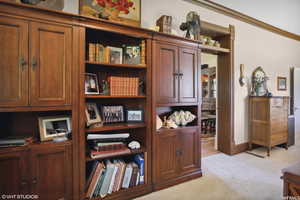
(51, 172)
(51, 54)
(13, 62)
(13, 173)
(166, 67)
(189, 75)
(165, 158)
(188, 140)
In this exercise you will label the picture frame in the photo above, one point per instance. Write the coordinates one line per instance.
(281, 83)
(115, 55)
(91, 84)
(92, 114)
(135, 115)
(113, 113)
(132, 55)
(52, 127)
(129, 14)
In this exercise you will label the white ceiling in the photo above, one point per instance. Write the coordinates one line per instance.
(284, 14)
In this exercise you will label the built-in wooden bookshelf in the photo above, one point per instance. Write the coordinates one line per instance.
(139, 131)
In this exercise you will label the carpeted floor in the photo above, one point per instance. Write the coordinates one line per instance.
(240, 177)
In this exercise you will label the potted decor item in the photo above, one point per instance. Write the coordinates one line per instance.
(259, 83)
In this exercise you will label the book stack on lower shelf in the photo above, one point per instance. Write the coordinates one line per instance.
(106, 145)
(114, 175)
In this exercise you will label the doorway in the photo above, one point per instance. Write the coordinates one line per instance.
(209, 115)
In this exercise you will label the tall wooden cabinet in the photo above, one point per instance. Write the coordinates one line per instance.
(176, 152)
(268, 121)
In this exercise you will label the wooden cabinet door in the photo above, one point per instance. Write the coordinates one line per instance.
(13, 62)
(165, 158)
(51, 172)
(188, 141)
(51, 60)
(166, 68)
(13, 172)
(188, 75)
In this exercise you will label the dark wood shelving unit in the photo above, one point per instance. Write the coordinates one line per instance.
(140, 66)
(113, 97)
(117, 126)
(132, 152)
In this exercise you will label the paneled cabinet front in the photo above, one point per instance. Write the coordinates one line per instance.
(35, 64)
(176, 70)
(14, 173)
(176, 154)
(40, 170)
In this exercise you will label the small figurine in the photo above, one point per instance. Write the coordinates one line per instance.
(134, 145)
(191, 26)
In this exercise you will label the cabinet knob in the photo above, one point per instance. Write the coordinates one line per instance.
(34, 181)
(178, 152)
(34, 62)
(24, 183)
(22, 62)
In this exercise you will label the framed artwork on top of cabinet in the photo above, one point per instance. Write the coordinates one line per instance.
(121, 11)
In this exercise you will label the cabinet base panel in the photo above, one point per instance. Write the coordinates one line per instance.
(177, 180)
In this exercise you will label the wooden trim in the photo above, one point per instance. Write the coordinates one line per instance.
(242, 17)
(240, 148)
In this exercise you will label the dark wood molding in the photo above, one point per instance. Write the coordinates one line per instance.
(240, 148)
(242, 17)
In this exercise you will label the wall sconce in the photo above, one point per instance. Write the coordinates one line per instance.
(242, 79)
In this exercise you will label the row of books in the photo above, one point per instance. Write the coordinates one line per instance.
(98, 53)
(126, 55)
(120, 86)
(113, 175)
(105, 145)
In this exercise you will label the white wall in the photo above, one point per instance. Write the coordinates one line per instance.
(253, 47)
(71, 6)
(280, 13)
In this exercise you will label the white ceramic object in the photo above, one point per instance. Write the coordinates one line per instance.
(134, 145)
(159, 123)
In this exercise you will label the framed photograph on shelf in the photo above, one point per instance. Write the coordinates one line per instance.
(115, 55)
(136, 115)
(52, 127)
(120, 11)
(281, 83)
(132, 55)
(92, 114)
(112, 114)
(91, 84)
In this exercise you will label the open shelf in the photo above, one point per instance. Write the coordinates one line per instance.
(118, 126)
(132, 152)
(141, 66)
(111, 97)
(212, 49)
(174, 129)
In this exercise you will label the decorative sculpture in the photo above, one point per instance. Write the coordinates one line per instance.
(134, 145)
(259, 83)
(159, 123)
(192, 26)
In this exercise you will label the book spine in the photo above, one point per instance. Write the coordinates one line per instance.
(91, 52)
(143, 52)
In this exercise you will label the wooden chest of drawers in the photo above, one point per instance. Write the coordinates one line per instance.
(268, 118)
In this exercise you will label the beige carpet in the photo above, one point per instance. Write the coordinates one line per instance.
(240, 177)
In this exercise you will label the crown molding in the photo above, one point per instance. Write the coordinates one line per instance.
(242, 17)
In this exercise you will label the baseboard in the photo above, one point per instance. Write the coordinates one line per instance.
(240, 148)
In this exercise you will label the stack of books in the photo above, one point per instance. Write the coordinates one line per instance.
(98, 53)
(123, 86)
(113, 175)
(14, 142)
(105, 145)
